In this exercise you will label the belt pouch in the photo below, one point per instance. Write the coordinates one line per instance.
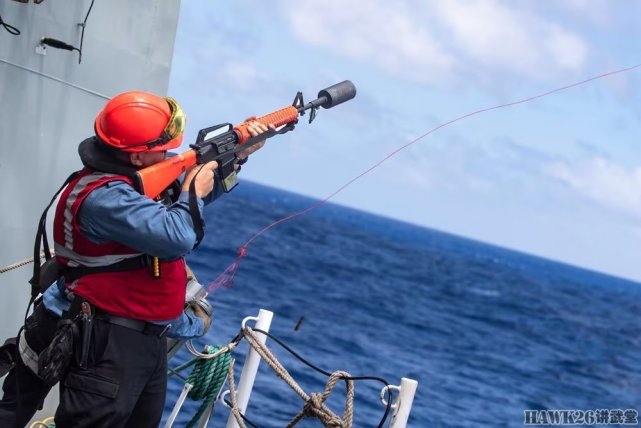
(54, 360)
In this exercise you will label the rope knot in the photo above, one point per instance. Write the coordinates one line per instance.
(311, 407)
(315, 408)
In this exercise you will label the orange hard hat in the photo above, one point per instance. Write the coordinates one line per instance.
(138, 121)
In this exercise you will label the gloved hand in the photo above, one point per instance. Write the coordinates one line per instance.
(200, 313)
(190, 273)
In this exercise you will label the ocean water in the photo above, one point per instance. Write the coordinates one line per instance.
(487, 332)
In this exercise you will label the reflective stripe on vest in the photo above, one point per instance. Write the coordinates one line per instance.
(75, 259)
(72, 197)
(67, 233)
(132, 294)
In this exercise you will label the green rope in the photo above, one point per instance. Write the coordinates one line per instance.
(207, 378)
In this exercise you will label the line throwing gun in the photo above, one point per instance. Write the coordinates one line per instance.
(221, 142)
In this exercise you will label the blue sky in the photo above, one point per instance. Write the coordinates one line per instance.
(559, 177)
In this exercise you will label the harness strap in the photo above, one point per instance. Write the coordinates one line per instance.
(133, 263)
(41, 240)
(199, 224)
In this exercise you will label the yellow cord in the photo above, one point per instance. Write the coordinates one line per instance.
(45, 423)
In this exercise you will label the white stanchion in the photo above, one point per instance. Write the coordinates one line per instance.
(204, 419)
(248, 375)
(403, 404)
(170, 420)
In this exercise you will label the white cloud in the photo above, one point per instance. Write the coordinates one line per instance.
(603, 182)
(503, 38)
(441, 40)
(386, 34)
(458, 165)
(567, 49)
(488, 32)
(241, 74)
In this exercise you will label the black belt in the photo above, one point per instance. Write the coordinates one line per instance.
(137, 325)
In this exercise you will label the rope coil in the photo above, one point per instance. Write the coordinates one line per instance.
(207, 377)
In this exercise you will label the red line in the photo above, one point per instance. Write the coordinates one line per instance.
(226, 278)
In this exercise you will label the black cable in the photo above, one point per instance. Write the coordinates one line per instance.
(82, 35)
(326, 373)
(173, 372)
(10, 28)
(58, 44)
(253, 425)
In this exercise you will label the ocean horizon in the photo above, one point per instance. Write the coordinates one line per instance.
(488, 332)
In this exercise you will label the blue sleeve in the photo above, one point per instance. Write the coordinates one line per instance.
(55, 300)
(116, 212)
(187, 326)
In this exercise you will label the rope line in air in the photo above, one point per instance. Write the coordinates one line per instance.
(20, 263)
(226, 278)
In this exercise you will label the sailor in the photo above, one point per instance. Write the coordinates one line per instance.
(22, 400)
(124, 274)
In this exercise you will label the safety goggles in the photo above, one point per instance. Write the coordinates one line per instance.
(175, 126)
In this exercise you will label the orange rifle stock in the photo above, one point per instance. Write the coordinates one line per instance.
(228, 140)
